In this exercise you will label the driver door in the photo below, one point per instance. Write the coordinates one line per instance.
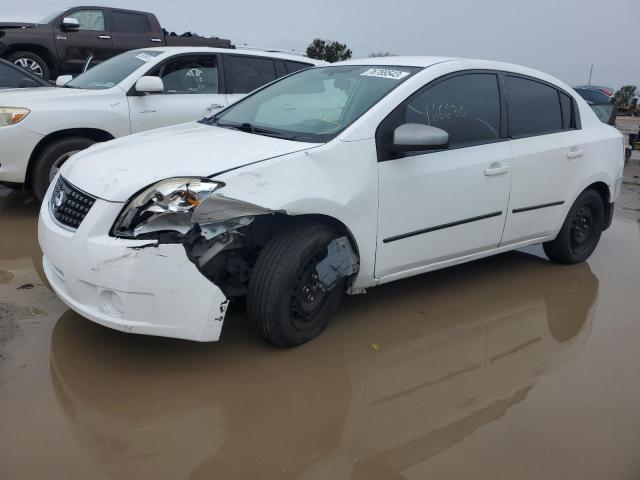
(191, 92)
(439, 205)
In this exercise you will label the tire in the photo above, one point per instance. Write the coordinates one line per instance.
(31, 62)
(51, 159)
(279, 308)
(580, 232)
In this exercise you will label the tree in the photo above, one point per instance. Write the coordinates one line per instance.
(381, 54)
(626, 94)
(328, 50)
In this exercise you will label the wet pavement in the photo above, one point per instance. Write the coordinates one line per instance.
(506, 368)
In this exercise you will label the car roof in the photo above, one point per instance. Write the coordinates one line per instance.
(400, 61)
(238, 51)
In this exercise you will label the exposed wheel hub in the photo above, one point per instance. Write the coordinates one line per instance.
(308, 296)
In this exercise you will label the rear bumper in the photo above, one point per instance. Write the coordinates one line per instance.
(128, 285)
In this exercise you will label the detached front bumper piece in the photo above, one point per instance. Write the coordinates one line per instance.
(132, 286)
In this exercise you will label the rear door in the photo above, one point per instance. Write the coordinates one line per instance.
(439, 205)
(130, 31)
(549, 157)
(191, 91)
(243, 74)
(92, 39)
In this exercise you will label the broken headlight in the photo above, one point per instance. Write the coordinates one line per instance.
(166, 205)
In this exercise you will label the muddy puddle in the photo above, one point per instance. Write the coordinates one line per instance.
(505, 368)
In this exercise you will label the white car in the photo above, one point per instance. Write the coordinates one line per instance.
(135, 91)
(333, 179)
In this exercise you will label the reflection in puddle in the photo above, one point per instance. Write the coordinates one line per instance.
(455, 350)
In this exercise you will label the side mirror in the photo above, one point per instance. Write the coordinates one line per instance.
(70, 24)
(150, 85)
(62, 80)
(417, 137)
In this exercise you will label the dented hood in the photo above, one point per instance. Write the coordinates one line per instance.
(118, 169)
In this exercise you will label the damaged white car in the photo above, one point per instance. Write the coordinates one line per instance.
(330, 180)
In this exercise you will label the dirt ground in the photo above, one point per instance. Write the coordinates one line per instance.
(505, 368)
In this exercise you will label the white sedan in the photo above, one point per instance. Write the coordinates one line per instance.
(135, 91)
(331, 180)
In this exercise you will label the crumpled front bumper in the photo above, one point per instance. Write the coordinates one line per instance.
(128, 285)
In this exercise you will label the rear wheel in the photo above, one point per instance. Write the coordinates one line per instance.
(49, 161)
(580, 232)
(286, 304)
(30, 62)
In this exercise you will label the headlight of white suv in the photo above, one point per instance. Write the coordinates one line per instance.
(12, 115)
(166, 205)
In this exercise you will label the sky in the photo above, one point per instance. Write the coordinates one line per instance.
(560, 37)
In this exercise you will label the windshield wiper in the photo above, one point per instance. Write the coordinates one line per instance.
(250, 128)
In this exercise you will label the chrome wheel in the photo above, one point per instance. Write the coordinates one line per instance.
(55, 168)
(29, 65)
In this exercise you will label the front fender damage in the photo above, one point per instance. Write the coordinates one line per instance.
(225, 236)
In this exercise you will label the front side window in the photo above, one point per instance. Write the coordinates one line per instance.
(190, 75)
(130, 22)
(534, 108)
(467, 107)
(89, 19)
(316, 104)
(111, 72)
(245, 74)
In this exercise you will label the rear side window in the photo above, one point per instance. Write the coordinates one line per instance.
(467, 107)
(130, 23)
(295, 66)
(281, 71)
(534, 108)
(245, 74)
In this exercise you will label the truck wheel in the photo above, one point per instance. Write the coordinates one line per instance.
(580, 232)
(50, 160)
(285, 302)
(30, 62)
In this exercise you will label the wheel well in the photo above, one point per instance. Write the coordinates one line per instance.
(38, 50)
(333, 222)
(92, 133)
(603, 191)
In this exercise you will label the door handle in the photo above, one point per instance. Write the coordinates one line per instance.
(575, 153)
(157, 40)
(215, 106)
(497, 169)
(105, 37)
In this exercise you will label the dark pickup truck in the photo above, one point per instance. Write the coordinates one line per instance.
(64, 42)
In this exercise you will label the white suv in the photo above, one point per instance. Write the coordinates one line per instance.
(333, 179)
(135, 91)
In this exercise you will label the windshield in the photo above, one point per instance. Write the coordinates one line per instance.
(108, 74)
(50, 18)
(313, 105)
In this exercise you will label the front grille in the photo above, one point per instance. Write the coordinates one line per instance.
(69, 205)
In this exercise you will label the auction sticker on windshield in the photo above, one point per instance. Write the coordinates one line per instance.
(385, 73)
(145, 57)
